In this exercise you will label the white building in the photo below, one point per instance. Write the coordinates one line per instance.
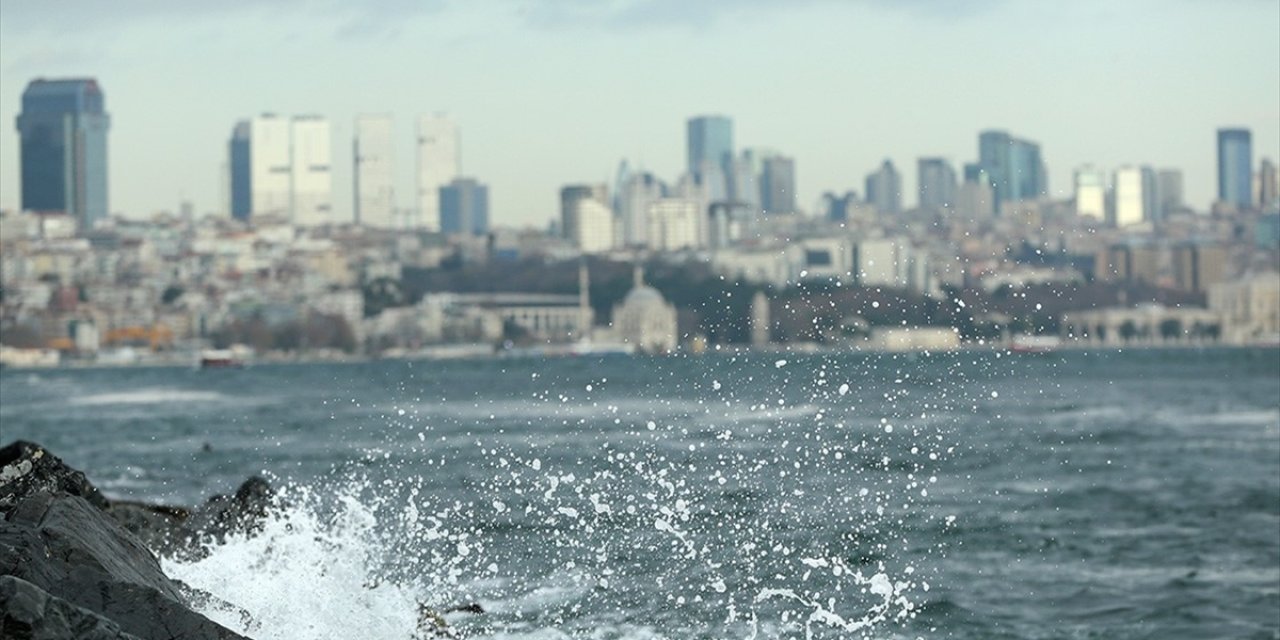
(1129, 197)
(1091, 193)
(589, 223)
(270, 164)
(439, 163)
(673, 224)
(310, 168)
(372, 155)
(634, 198)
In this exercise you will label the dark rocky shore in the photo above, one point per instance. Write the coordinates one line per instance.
(74, 564)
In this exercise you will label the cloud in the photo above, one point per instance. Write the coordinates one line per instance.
(705, 14)
(52, 20)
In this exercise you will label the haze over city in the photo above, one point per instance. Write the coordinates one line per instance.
(555, 93)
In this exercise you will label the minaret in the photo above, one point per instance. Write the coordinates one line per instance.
(584, 301)
(637, 276)
(759, 320)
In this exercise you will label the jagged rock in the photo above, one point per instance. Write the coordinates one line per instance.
(177, 531)
(28, 612)
(26, 468)
(57, 538)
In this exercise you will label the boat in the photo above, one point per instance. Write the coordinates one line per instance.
(220, 359)
(1034, 344)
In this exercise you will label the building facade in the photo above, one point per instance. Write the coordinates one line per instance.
(63, 149)
(778, 185)
(1235, 167)
(439, 162)
(709, 145)
(311, 163)
(884, 188)
(374, 172)
(936, 184)
(464, 207)
(1091, 193)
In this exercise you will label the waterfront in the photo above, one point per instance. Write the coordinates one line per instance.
(1077, 494)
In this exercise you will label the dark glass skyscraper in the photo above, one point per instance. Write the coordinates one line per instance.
(1014, 166)
(1235, 167)
(710, 145)
(63, 157)
(937, 184)
(464, 207)
(778, 185)
(884, 188)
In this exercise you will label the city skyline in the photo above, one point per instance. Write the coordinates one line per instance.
(835, 139)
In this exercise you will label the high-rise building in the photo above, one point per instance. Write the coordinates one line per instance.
(439, 162)
(778, 185)
(1014, 166)
(373, 161)
(585, 217)
(709, 145)
(1130, 197)
(1150, 196)
(1235, 167)
(633, 206)
(1091, 193)
(1268, 186)
(884, 188)
(63, 149)
(674, 223)
(937, 184)
(1169, 190)
(311, 155)
(261, 165)
(464, 207)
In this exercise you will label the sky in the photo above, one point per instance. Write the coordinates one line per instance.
(553, 92)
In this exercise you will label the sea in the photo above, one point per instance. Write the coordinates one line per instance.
(972, 494)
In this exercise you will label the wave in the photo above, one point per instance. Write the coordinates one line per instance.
(156, 395)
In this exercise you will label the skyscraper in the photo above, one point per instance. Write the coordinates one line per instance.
(63, 149)
(709, 145)
(585, 217)
(1169, 190)
(439, 162)
(311, 155)
(1014, 166)
(1268, 186)
(1130, 196)
(1091, 193)
(261, 167)
(884, 188)
(778, 185)
(372, 156)
(464, 207)
(937, 184)
(1235, 167)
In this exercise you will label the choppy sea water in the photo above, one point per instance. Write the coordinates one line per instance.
(970, 495)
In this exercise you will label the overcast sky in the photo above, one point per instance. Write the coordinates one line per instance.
(549, 92)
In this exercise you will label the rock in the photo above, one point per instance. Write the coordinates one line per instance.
(73, 571)
(28, 612)
(26, 468)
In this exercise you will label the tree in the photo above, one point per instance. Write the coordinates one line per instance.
(1171, 329)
